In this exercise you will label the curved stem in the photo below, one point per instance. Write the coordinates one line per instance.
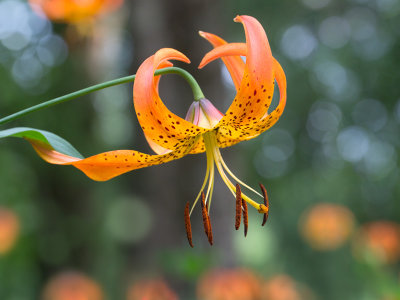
(197, 93)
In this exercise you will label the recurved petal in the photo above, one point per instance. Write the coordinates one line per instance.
(231, 134)
(158, 123)
(232, 60)
(269, 120)
(257, 86)
(107, 165)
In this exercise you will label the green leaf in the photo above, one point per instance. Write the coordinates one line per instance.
(54, 141)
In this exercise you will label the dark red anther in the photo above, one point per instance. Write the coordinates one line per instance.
(266, 203)
(245, 217)
(188, 226)
(238, 206)
(206, 219)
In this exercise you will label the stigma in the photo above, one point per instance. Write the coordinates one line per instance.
(203, 113)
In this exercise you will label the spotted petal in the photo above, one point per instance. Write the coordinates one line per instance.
(159, 124)
(104, 166)
(246, 121)
(257, 85)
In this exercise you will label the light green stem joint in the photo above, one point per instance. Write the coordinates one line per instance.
(197, 93)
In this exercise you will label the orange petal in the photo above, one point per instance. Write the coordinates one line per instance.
(158, 123)
(234, 64)
(257, 86)
(156, 147)
(104, 166)
(269, 120)
(50, 155)
(229, 135)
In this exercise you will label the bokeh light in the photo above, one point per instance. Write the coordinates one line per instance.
(229, 284)
(327, 226)
(74, 11)
(129, 220)
(72, 286)
(151, 289)
(32, 47)
(283, 287)
(379, 242)
(334, 32)
(273, 160)
(9, 229)
(298, 42)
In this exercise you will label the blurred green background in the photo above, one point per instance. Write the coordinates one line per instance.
(337, 142)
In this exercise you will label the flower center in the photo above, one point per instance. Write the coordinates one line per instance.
(214, 158)
(203, 113)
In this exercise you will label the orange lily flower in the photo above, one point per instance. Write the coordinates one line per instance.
(73, 11)
(204, 129)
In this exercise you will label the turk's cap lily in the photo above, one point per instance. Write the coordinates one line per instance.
(246, 118)
(204, 129)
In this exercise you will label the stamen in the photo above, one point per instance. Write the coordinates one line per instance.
(209, 177)
(245, 217)
(218, 162)
(266, 203)
(206, 219)
(234, 177)
(188, 226)
(238, 206)
(210, 187)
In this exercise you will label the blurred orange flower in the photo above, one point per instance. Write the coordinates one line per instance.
(9, 229)
(229, 285)
(381, 239)
(72, 286)
(283, 287)
(151, 289)
(327, 226)
(74, 11)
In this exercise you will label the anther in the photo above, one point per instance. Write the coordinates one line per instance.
(238, 206)
(206, 219)
(245, 217)
(188, 226)
(266, 204)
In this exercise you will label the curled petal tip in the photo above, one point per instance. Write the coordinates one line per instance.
(201, 33)
(166, 54)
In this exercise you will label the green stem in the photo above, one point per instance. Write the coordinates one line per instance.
(197, 93)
